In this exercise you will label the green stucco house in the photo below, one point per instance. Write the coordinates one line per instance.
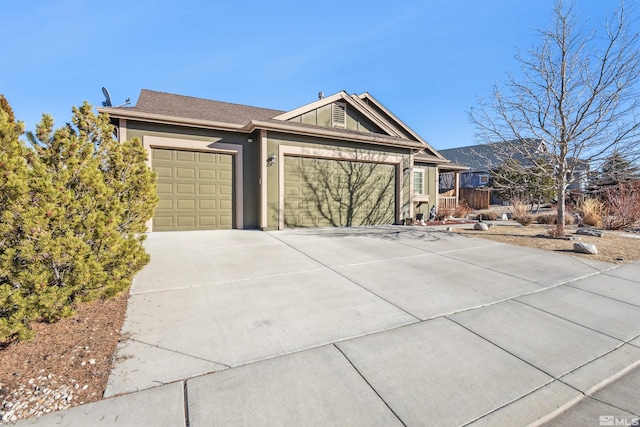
(342, 160)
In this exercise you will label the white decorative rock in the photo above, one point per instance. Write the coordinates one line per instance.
(585, 248)
(480, 226)
(449, 228)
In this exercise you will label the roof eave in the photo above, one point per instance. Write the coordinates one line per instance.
(170, 120)
(370, 138)
(285, 127)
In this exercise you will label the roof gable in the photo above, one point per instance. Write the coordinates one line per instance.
(374, 105)
(379, 125)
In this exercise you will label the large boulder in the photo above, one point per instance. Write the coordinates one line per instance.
(481, 226)
(585, 248)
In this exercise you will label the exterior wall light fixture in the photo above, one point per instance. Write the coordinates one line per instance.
(271, 160)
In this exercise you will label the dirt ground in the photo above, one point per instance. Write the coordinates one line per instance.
(615, 247)
(68, 363)
(65, 364)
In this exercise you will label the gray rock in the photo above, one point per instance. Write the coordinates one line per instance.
(590, 232)
(481, 226)
(585, 248)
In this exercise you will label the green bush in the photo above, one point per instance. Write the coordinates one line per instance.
(73, 210)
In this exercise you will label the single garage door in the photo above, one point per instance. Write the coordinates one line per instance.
(338, 193)
(196, 190)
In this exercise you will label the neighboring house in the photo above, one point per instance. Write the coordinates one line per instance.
(341, 160)
(482, 158)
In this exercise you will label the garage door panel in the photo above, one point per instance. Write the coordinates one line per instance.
(164, 188)
(163, 221)
(207, 157)
(185, 189)
(165, 204)
(208, 221)
(185, 156)
(207, 189)
(161, 155)
(188, 205)
(185, 173)
(323, 192)
(195, 189)
(164, 172)
(186, 221)
(206, 174)
(225, 160)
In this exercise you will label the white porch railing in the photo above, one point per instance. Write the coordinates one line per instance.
(446, 202)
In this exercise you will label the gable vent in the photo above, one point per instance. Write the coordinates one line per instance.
(339, 114)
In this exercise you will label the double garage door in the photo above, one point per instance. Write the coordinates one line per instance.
(196, 190)
(338, 193)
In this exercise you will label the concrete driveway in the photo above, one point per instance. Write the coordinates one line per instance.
(372, 326)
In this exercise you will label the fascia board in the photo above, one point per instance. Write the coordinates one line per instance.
(449, 167)
(368, 96)
(171, 120)
(322, 132)
(285, 127)
(312, 106)
(430, 159)
(376, 118)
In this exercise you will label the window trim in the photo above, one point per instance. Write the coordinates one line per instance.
(420, 171)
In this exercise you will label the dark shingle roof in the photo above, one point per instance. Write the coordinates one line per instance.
(198, 108)
(482, 157)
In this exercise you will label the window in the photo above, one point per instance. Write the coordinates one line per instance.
(339, 115)
(484, 179)
(418, 181)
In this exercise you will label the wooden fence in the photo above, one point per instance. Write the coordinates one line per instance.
(475, 198)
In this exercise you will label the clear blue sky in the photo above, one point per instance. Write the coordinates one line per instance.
(427, 61)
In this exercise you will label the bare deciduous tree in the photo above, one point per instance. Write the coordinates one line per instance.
(578, 93)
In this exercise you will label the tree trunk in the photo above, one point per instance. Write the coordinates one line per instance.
(560, 219)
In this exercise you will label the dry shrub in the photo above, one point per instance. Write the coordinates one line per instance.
(547, 218)
(488, 215)
(521, 213)
(552, 218)
(622, 206)
(462, 210)
(554, 232)
(444, 213)
(591, 211)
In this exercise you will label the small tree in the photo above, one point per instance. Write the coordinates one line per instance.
(530, 185)
(76, 234)
(616, 169)
(14, 202)
(578, 94)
